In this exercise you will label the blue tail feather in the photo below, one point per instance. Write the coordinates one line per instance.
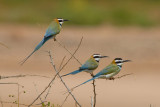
(74, 72)
(84, 82)
(40, 44)
(37, 47)
(27, 57)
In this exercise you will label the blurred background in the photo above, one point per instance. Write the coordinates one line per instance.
(82, 12)
(129, 29)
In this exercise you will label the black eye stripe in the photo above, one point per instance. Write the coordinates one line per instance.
(60, 20)
(96, 56)
(119, 62)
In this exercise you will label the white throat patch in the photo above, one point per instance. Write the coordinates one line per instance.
(97, 59)
(61, 23)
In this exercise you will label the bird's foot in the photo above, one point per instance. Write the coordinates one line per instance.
(111, 78)
(92, 74)
(54, 39)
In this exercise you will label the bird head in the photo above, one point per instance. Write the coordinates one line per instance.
(60, 21)
(97, 57)
(119, 61)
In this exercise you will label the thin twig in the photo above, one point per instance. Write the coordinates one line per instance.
(65, 100)
(4, 45)
(12, 83)
(1, 102)
(91, 101)
(51, 84)
(94, 91)
(18, 86)
(62, 79)
(43, 90)
(5, 102)
(18, 76)
(72, 54)
(122, 76)
(56, 74)
(113, 78)
(37, 92)
(18, 94)
(68, 51)
(61, 63)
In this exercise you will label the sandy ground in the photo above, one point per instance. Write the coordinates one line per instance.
(141, 45)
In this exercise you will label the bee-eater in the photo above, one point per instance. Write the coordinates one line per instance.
(51, 32)
(89, 66)
(109, 71)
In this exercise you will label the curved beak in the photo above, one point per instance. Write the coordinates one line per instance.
(103, 56)
(126, 60)
(65, 20)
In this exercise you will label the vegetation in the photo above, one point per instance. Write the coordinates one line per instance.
(82, 12)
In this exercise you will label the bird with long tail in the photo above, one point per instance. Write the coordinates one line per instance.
(89, 66)
(108, 72)
(51, 32)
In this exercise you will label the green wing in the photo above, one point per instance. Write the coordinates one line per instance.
(90, 64)
(53, 29)
(108, 70)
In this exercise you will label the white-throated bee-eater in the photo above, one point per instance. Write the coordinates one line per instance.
(89, 66)
(109, 71)
(53, 29)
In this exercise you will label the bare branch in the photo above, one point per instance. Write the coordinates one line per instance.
(51, 84)
(65, 100)
(19, 76)
(61, 63)
(91, 101)
(68, 52)
(37, 92)
(5, 102)
(62, 80)
(72, 54)
(14, 83)
(121, 76)
(94, 91)
(18, 85)
(43, 91)
(4, 45)
(56, 74)
(1, 102)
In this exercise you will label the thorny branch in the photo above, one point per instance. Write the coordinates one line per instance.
(62, 79)
(56, 74)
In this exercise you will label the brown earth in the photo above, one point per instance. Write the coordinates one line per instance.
(141, 45)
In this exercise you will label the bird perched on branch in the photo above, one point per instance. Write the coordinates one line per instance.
(51, 32)
(109, 71)
(89, 66)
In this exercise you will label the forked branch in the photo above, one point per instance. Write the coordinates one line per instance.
(62, 79)
(55, 75)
